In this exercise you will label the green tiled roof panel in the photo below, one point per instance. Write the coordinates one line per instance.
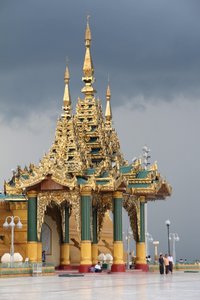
(90, 171)
(81, 180)
(126, 169)
(139, 185)
(93, 139)
(25, 176)
(102, 182)
(104, 174)
(95, 151)
(12, 197)
(142, 174)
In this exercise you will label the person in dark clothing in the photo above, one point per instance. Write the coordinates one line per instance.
(161, 264)
(43, 256)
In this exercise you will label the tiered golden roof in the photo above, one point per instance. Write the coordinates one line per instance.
(86, 149)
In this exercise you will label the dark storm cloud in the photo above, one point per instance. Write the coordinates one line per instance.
(149, 48)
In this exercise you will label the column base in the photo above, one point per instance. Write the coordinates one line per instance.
(141, 262)
(65, 267)
(118, 268)
(94, 254)
(86, 256)
(39, 252)
(64, 254)
(32, 251)
(84, 268)
(143, 267)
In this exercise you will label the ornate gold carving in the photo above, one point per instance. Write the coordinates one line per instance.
(103, 203)
(45, 198)
(132, 206)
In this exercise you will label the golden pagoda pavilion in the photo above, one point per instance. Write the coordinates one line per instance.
(65, 200)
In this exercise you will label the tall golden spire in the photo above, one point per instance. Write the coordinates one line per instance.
(108, 112)
(88, 69)
(88, 36)
(67, 96)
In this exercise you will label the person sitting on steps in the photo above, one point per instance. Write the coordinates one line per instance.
(97, 268)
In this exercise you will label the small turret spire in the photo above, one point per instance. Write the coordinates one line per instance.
(88, 69)
(108, 112)
(66, 97)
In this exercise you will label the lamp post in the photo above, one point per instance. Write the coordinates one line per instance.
(128, 238)
(146, 163)
(12, 224)
(149, 239)
(167, 223)
(156, 243)
(175, 238)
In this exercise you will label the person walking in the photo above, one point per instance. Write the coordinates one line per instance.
(166, 263)
(161, 264)
(171, 262)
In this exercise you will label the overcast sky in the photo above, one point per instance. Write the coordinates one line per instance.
(151, 51)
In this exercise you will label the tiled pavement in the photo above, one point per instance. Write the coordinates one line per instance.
(123, 286)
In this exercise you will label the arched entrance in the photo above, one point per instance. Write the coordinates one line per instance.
(51, 234)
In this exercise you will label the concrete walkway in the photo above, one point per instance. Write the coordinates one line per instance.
(131, 285)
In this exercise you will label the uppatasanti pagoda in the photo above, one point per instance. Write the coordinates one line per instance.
(64, 203)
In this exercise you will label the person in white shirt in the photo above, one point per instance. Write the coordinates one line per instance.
(97, 268)
(171, 261)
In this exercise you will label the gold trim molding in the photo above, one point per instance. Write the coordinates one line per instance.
(117, 195)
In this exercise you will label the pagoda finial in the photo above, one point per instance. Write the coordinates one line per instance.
(108, 112)
(88, 36)
(66, 97)
(88, 69)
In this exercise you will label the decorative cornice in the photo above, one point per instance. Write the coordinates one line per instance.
(32, 194)
(142, 199)
(86, 191)
(117, 194)
(18, 205)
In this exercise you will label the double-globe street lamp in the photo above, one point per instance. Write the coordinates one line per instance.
(149, 239)
(167, 223)
(175, 238)
(10, 222)
(128, 238)
(156, 243)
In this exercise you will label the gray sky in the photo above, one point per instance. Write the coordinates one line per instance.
(151, 51)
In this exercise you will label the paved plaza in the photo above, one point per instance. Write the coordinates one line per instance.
(144, 286)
